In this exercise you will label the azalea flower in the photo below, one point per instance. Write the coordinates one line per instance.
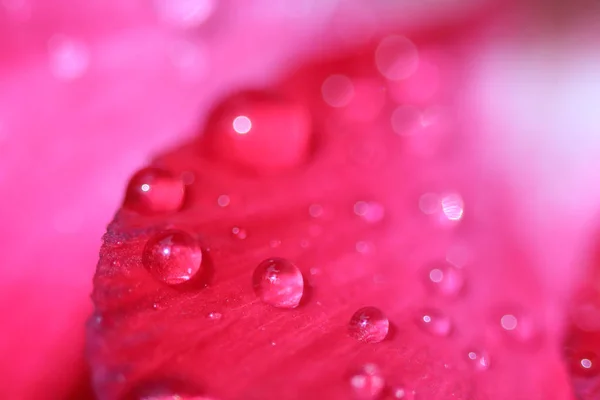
(364, 199)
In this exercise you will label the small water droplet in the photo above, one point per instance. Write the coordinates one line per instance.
(453, 206)
(259, 131)
(274, 243)
(172, 256)
(278, 282)
(396, 58)
(154, 190)
(337, 91)
(369, 211)
(155, 306)
(367, 383)
(240, 233)
(479, 359)
(518, 326)
(369, 325)
(69, 57)
(215, 316)
(315, 210)
(445, 279)
(184, 14)
(223, 200)
(435, 322)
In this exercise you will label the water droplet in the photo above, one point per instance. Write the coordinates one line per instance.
(453, 206)
(445, 279)
(584, 363)
(480, 360)
(260, 131)
(337, 91)
(367, 383)
(215, 316)
(371, 211)
(430, 203)
(240, 233)
(274, 243)
(69, 58)
(363, 247)
(223, 200)
(153, 190)
(278, 282)
(172, 256)
(184, 13)
(396, 58)
(369, 325)
(518, 326)
(435, 322)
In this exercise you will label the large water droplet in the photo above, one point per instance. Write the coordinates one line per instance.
(479, 359)
(154, 190)
(445, 278)
(396, 58)
(260, 131)
(369, 325)
(278, 282)
(435, 322)
(172, 256)
(367, 383)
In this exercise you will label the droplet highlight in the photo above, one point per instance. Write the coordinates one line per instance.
(435, 322)
(154, 190)
(367, 382)
(278, 282)
(173, 257)
(260, 131)
(369, 325)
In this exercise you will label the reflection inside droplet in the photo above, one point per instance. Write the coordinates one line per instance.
(453, 206)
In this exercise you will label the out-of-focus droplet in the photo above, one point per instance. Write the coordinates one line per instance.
(239, 233)
(430, 203)
(172, 256)
(69, 57)
(190, 60)
(363, 247)
(518, 326)
(315, 210)
(259, 131)
(369, 325)
(223, 200)
(184, 14)
(444, 278)
(435, 322)
(278, 282)
(337, 91)
(402, 393)
(453, 206)
(406, 120)
(396, 58)
(479, 359)
(154, 190)
(367, 382)
(370, 211)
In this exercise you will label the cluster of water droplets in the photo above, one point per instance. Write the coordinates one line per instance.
(243, 126)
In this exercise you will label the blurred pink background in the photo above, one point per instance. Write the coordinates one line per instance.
(90, 90)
